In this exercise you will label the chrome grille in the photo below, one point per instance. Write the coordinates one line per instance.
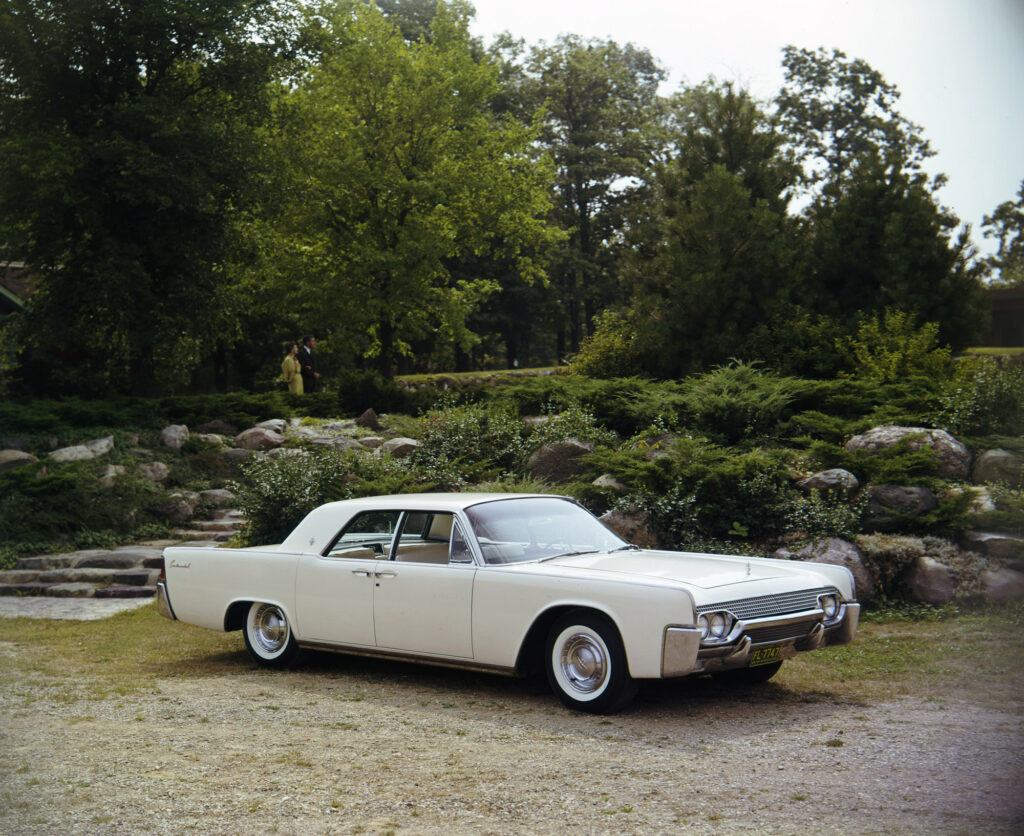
(765, 606)
(781, 632)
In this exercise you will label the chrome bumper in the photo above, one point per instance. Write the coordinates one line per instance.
(682, 653)
(163, 603)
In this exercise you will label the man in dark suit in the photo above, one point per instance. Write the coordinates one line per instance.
(307, 363)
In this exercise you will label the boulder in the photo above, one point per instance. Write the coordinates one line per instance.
(838, 552)
(217, 497)
(371, 441)
(400, 448)
(953, 459)
(560, 461)
(998, 466)
(658, 446)
(610, 482)
(211, 438)
(369, 420)
(10, 459)
(885, 502)
(1002, 585)
(174, 436)
(534, 421)
(259, 438)
(633, 526)
(996, 544)
(83, 452)
(929, 582)
(276, 424)
(835, 480)
(155, 471)
(110, 474)
(336, 442)
(182, 505)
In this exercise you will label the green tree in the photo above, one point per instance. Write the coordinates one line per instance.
(835, 109)
(1006, 225)
(715, 258)
(125, 149)
(880, 241)
(600, 109)
(399, 167)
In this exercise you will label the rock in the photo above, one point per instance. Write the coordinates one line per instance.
(835, 480)
(929, 582)
(400, 448)
(997, 466)
(211, 438)
(658, 446)
(982, 501)
(10, 459)
(371, 441)
(953, 459)
(235, 455)
(1002, 585)
(276, 424)
(337, 442)
(885, 502)
(633, 526)
(182, 505)
(560, 461)
(110, 474)
(610, 482)
(218, 427)
(534, 421)
(217, 497)
(838, 552)
(174, 436)
(259, 438)
(996, 544)
(369, 420)
(71, 590)
(286, 453)
(155, 471)
(83, 452)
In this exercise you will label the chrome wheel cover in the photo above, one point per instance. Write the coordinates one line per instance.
(269, 630)
(583, 663)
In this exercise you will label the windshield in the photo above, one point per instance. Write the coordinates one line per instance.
(534, 528)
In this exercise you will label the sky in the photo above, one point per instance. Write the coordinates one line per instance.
(958, 64)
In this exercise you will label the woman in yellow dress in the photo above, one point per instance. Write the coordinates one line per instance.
(291, 371)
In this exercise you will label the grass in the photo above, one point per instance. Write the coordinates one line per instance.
(972, 655)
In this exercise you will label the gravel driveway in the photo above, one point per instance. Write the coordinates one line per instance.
(348, 745)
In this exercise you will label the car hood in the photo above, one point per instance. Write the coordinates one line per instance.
(704, 571)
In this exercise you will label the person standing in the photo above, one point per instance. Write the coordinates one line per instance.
(291, 371)
(307, 360)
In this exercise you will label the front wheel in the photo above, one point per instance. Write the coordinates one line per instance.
(268, 636)
(586, 663)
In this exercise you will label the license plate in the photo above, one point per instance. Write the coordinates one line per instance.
(765, 655)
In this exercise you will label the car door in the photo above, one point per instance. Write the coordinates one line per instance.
(334, 590)
(423, 597)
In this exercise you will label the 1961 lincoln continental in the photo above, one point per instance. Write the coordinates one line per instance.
(509, 583)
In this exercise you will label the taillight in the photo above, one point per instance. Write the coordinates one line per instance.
(163, 570)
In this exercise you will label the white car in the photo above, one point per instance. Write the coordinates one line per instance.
(509, 583)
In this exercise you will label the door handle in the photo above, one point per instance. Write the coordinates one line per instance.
(364, 572)
(386, 574)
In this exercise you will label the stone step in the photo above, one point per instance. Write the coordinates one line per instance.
(76, 590)
(214, 525)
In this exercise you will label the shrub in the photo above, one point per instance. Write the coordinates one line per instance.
(828, 515)
(610, 351)
(573, 421)
(277, 493)
(985, 397)
(895, 465)
(891, 349)
(738, 401)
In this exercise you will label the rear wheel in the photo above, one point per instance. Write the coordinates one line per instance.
(268, 636)
(586, 663)
(748, 676)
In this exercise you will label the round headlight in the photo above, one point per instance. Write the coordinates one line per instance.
(830, 605)
(704, 626)
(719, 625)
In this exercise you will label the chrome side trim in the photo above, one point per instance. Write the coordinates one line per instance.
(398, 656)
(163, 603)
(679, 651)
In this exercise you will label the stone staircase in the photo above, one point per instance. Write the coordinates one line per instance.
(126, 572)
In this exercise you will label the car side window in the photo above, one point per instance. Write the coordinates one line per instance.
(460, 548)
(368, 536)
(425, 538)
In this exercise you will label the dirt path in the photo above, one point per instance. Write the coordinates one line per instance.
(361, 746)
